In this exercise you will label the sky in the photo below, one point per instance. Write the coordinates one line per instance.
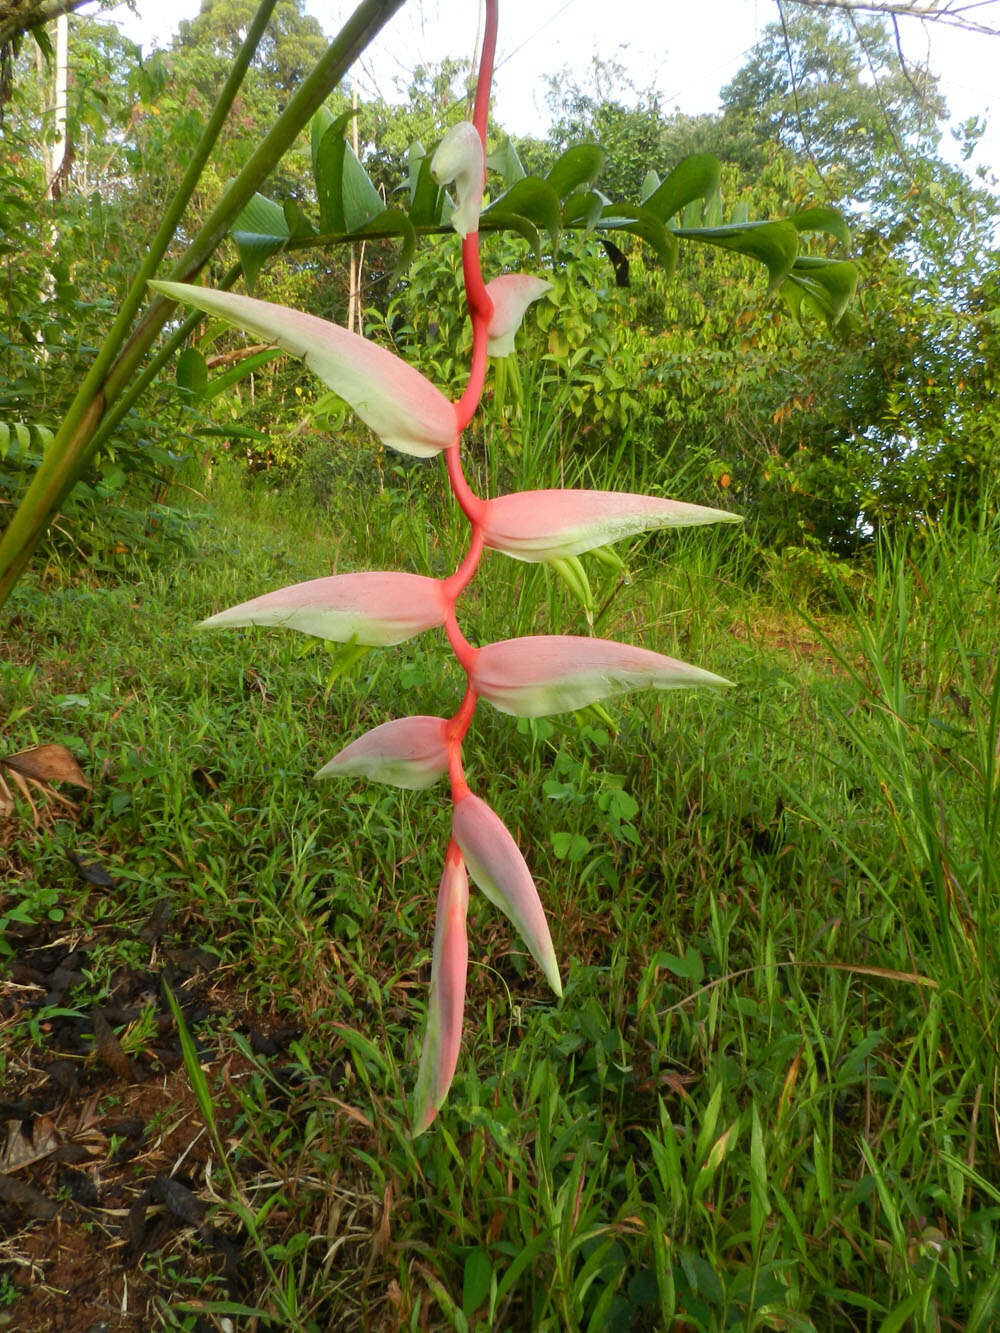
(685, 52)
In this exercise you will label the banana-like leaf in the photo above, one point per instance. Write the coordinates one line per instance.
(514, 222)
(577, 167)
(347, 198)
(259, 232)
(328, 145)
(192, 372)
(394, 222)
(773, 244)
(822, 219)
(506, 161)
(694, 177)
(426, 196)
(644, 224)
(823, 286)
(533, 199)
(585, 206)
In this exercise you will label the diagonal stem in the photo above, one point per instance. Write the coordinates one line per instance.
(118, 360)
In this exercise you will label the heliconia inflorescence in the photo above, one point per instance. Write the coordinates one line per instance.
(528, 677)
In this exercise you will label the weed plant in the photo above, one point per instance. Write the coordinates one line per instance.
(769, 1099)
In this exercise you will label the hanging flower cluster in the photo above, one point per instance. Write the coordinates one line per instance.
(527, 677)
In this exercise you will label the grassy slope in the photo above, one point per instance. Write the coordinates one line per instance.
(768, 1099)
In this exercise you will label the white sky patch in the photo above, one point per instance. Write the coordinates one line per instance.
(686, 53)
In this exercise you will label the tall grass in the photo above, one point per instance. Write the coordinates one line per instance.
(769, 1097)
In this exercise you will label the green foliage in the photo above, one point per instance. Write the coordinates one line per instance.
(812, 966)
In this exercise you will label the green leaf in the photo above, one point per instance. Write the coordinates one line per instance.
(822, 219)
(192, 372)
(426, 196)
(694, 177)
(192, 1065)
(362, 202)
(585, 207)
(394, 222)
(505, 160)
(533, 199)
(650, 182)
(773, 244)
(259, 231)
(823, 286)
(514, 222)
(299, 226)
(644, 224)
(329, 149)
(476, 1281)
(577, 166)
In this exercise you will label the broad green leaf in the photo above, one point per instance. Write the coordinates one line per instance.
(503, 221)
(773, 244)
(318, 126)
(740, 213)
(694, 177)
(822, 219)
(644, 224)
(426, 196)
(506, 161)
(476, 1281)
(192, 372)
(823, 286)
(299, 226)
(650, 182)
(584, 206)
(393, 222)
(576, 167)
(4, 440)
(259, 232)
(533, 199)
(362, 202)
(328, 169)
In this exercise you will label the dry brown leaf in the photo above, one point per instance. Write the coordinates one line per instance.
(46, 763)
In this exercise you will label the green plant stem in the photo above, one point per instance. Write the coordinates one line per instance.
(115, 365)
(70, 440)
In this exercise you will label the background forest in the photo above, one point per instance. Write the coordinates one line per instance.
(770, 1096)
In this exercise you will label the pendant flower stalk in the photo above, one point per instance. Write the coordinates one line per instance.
(528, 677)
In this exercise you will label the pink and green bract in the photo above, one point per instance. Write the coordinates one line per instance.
(528, 676)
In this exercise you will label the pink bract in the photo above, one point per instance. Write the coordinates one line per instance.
(373, 609)
(549, 525)
(400, 405)
(555, 673)
(409, 752)
(449, 965)
(498, 868)
(511, 295)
